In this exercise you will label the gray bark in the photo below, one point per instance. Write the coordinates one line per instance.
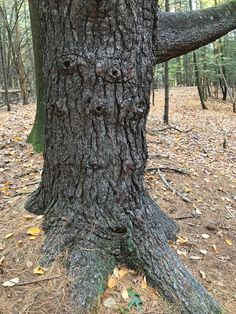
(182, 32)
(98, 63)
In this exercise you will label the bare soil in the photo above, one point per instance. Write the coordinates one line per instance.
(202, 144)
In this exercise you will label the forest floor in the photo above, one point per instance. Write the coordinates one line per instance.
(203, 203)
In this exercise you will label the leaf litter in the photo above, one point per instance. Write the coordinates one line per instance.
(210, 185)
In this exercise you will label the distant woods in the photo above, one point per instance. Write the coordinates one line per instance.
(212, 69)
(16, 54)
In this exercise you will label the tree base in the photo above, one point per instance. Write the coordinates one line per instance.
(93, 252)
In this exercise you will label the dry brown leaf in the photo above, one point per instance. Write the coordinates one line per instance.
(12, 282)
(203, 274)
(181, 240)
(9, 235)
(228, 241)
(112, 282)
(28, 217)
(125, 294)
(2, 259)
(215, 249)
(122, 272)
(183, 253)
(143, 284)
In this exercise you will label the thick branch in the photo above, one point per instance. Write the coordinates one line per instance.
(182, 32)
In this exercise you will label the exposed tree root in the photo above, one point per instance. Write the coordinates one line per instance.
(170, 187)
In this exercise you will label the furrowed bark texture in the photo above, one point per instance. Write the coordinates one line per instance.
(182, 32)
(99, 57)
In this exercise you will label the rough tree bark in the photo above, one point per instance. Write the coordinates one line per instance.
(98, 63)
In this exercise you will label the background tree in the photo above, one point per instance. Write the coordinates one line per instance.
(98, 62)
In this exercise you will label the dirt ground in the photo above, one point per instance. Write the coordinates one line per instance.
(201, 197)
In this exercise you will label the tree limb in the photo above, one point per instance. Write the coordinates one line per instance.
(182, 32)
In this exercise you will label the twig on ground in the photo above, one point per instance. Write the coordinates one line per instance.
(185, 217)
(170, 127)
(155, 155)
(166, 168)
(37, 280)
(170, 187)
(21, 193)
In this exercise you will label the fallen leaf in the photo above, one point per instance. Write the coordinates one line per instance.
(229, 242)
(2, 260)
(32, 237)
(116, 272)
(184, 253)
(34, 231)
(20, 243)
(205, 236)
(181, 240)
(112, 282)
(28, 217)
(9, 235)
(204, 252)
(29, 264)
(39, 217)
(109, 302)
(144, 283)
(203, 275)
(122, 272)
(12, 282)
(125, 294)
(38, 270)
(195, 257)
(215, 249)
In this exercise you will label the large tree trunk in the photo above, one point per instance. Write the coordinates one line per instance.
(98, 63)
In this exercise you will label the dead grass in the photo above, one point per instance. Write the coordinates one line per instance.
(210, 186)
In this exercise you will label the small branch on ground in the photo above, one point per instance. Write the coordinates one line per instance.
(37, 280)
(170, 127)
(155, 155)
(170, 187)
(167, 168)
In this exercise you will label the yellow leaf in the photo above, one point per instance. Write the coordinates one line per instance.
(112, 282)
(9, 235)
(229, 242)
(181, 240)
(39, 270)
(17, 139)
(125, 294)
(32, 237)
(34, 231)
(144, 283)
(122, 272)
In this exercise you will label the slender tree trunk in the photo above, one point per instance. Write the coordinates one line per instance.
(98, 67)
(198, 83)
(167, 83)
(5, 82)
(36, 137)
